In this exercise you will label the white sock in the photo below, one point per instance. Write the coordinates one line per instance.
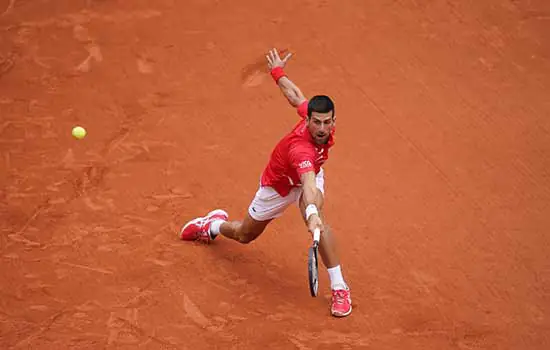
(336, 278)
(215, 227)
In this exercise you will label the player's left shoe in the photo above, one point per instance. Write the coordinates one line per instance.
(199, 229)
(341, 302)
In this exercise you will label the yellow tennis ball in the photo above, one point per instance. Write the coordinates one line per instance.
(79, 132)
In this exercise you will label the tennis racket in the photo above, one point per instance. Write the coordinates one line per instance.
(313, 266)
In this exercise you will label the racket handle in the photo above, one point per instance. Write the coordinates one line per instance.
(316, 235)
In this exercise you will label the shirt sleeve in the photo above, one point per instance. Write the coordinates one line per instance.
(302, 109)
(302, 158)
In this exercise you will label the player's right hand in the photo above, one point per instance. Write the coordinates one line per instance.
(315, 222)
(274, 60)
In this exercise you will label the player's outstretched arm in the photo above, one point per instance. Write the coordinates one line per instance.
(310, 193)
(292, 93)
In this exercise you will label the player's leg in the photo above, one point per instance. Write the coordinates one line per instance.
(341, 299)
(266, 206)
(244, 231)
(216, 222)
(327, 244)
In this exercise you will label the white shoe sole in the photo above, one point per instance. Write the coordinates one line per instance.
(217, 211)
(343, 315)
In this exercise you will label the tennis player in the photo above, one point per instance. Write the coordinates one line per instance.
(294, 174)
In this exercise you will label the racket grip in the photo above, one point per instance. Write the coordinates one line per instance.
(316, 235)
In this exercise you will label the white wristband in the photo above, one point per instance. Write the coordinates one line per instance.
(310, 210)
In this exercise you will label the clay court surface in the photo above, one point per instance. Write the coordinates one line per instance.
(438, 188)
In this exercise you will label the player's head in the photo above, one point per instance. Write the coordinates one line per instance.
(320, 118)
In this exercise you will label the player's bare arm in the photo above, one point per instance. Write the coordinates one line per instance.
(292, 93)
(310, 200)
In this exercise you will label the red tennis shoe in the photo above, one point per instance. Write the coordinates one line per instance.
(199, 229)
(341, 302)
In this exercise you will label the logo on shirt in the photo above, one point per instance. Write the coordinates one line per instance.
(305, 164)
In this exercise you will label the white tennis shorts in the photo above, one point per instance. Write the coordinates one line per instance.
(268, 204)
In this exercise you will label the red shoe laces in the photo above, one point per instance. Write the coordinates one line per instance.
(339, 296)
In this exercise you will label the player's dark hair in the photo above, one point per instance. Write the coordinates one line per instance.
(320, 104)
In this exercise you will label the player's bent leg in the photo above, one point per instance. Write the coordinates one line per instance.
(266, 205)
(216, 222)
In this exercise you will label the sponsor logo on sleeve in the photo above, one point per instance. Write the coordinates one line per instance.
(305, 164)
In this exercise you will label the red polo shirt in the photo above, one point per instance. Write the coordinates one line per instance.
(295, 154)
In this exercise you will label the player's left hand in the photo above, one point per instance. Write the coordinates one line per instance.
(274, 60)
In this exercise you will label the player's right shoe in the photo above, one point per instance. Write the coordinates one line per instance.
(340, 302)
(199, 229)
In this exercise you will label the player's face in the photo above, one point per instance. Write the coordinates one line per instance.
(320, 125)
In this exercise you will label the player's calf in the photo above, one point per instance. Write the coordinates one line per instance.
(243, 232)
